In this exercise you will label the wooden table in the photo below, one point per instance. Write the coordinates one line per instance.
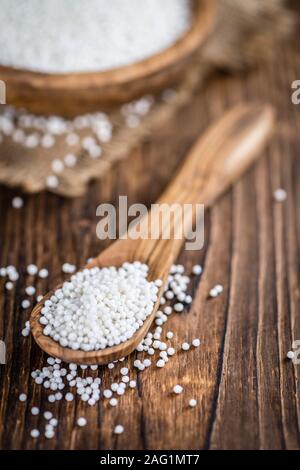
(248, 393)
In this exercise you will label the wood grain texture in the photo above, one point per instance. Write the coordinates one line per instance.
(77, 93)
(248, 394)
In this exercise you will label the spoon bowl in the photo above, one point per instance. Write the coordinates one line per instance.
(215, 162)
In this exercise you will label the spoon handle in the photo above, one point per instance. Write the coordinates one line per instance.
(221, 155)
(215, 162)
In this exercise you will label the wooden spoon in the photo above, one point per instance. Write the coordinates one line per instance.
(216, 161)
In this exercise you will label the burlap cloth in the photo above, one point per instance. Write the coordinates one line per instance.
(244, 33)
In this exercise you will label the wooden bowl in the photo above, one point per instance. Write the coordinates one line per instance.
(77, 93)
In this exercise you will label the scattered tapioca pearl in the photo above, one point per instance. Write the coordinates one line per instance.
(107, 393)
(132, 121)
(49, 433)
(168, 310)
(68, 268)
(290, 355)
(280, 195)
(81, 422)
(196, 342)
(178, 307)
(213, 292)
(132, 384)
(113, 402)
(32, 141)
(193, 403)
(119, 429)
(124, 371)
(197, 269)
(25, 303)
(180, 269)
(219, 288)
(169, 295)
(51, 398)
(185, 346)
(52, 181)
(70, 160)
(32, 269)
(13, 275)
(170, 334)
(35, 410)
(95, 151)
(160, 363)
(88, 142)
(34, 433)
(216, 290)
(47, 141)
(57, 166)
(3, 272)
(69, 396)
(72, 139)
(39, 298)
(48, 415)
(22, 397)
(9, 285)
(18, 136)
(30, 290)
(164, 355)
(170, 351)
(53, 422)
(188, 299)
(17, 202)
(114, 386)
(25, 332)
(43, 273)
(177, 389)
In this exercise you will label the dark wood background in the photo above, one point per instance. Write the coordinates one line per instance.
(247, 392)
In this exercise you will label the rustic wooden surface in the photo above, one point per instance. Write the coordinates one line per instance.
(247, 392)
(77, 93)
